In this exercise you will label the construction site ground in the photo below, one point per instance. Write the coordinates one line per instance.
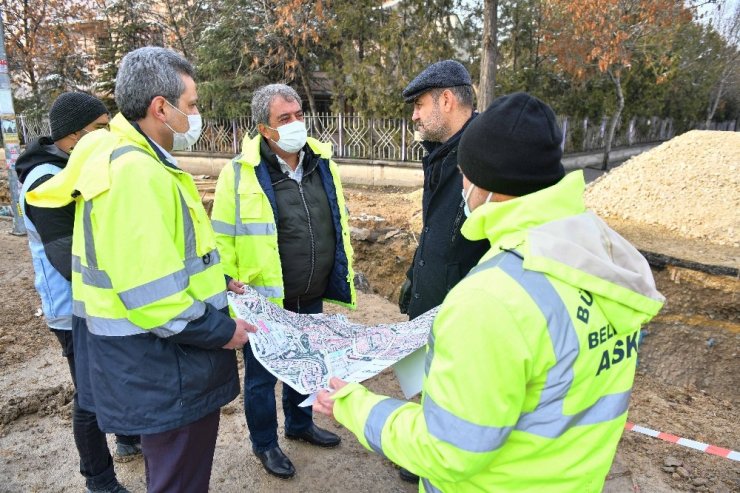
(687, 382)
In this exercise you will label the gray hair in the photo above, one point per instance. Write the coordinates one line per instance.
(464, 94)
(147, 73)
(264, 96)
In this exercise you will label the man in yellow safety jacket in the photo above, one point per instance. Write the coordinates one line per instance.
(281, 226)
(149, 300)
(531, 359)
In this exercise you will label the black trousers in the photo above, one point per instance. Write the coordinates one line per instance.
(180, 460)
(96, 463)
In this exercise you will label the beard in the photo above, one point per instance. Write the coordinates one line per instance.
(434, 128)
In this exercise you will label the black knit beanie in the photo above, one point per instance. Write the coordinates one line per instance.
(513, 147)
(73, 111)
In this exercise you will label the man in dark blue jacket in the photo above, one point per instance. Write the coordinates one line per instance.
(442, 95)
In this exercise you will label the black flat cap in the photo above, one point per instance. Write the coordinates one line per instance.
(447, 73)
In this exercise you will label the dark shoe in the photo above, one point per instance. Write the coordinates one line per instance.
(127, 453)
(114, 487)
(316, 436)
(276, 463)
(407, 475)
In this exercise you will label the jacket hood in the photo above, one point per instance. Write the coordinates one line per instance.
(557, 236)
(40, 151)
(87, 173)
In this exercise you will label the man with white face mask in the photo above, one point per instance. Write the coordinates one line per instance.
(149, 300)
(281, 226)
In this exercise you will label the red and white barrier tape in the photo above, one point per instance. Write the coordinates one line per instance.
(701, 447)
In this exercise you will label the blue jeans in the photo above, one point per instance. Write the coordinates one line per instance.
(259, 397)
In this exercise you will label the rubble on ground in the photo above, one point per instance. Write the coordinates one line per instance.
(689, 185)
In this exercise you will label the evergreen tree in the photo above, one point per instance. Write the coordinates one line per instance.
(380, 49)
(131, 24)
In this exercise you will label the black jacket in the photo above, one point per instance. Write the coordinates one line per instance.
(443, 256)
(54, 224)
(306, 234)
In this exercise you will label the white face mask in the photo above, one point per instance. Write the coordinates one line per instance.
(293, 136)
(182, 141)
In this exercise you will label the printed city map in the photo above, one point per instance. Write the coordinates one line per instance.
(304, 351)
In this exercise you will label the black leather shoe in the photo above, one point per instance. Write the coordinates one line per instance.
(407, 475)
(276, 463)
(316, 436)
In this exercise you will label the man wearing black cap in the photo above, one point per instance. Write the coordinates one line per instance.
(442, 95)
(531, 358)
(72, 116)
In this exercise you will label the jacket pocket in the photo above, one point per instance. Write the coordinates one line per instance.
(250, 205)
(204, 370)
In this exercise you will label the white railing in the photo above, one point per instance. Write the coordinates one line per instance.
(392, 139)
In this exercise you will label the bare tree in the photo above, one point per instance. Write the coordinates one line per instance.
(489, 54)
(727, 23)
(588, 38)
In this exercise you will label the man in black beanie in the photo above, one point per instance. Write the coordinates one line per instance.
(531, 358)
(72, 116)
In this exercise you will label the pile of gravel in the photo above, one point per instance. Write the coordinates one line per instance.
(689, 185)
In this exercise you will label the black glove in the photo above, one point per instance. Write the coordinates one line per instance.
(404, 297)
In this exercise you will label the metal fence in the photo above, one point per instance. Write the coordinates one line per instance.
(390, 139)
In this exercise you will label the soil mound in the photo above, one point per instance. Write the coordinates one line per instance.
(689, 185)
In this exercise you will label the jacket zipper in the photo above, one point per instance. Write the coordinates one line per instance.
(310, 231)
(313, 242)
(456, 224)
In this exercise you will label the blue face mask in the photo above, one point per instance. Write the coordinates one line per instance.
(466, 196)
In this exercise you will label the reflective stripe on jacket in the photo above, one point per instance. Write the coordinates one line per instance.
(533, 394)
(147, 278)
(55, 291)
(244, 220)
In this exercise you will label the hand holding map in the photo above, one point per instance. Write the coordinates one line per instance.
(304, 351)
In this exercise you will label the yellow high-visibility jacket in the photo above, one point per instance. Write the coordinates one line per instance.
(531, 359)
(243, 218)
(148, 282)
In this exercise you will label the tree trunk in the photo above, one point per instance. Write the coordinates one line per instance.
(306, 82)
(715, 101)
(488, 56)
(176, 28)
(614, 121)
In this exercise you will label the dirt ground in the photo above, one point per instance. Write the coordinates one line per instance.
(687, 382)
